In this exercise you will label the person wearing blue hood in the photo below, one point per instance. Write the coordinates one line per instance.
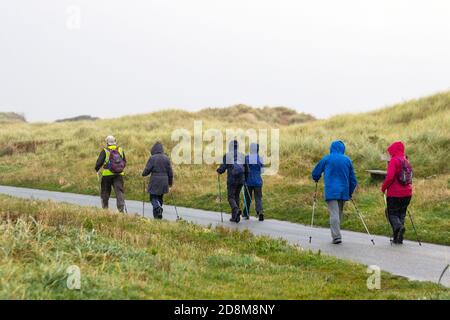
(254, 182)
(340, 183)
(234, 164)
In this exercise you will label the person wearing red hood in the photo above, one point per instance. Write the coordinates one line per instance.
(398, 188)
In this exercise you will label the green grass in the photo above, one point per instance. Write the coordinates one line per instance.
(123, 257)
(422, 124)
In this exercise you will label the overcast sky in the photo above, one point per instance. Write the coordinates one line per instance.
(135, 56)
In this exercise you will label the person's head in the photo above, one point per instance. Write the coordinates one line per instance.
(337, 147)
(110, 141)
(157, 148)
(233, 145)
(397, 148)
(254, 148)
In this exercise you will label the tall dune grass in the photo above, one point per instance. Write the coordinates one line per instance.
(422, 124)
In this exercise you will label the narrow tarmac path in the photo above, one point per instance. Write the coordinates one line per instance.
(412, 261)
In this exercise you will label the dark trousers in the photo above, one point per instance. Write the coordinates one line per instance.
(234, 191)
(116, 182)
(157, 200)
(249, 193)
(397, 208)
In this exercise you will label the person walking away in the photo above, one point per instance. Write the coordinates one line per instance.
(234, 164)
(398, 188)
(160, 168)
(340, 183)
(113, 161)
(254, 182)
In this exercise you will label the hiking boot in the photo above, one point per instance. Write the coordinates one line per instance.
(238, 217)
(337, 241)
(233, 217)
(400, 235)
(260, 216)
(246, 216)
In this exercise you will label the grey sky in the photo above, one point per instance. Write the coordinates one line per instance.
(135, 56)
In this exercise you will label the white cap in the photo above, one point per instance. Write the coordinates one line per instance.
(110, 140)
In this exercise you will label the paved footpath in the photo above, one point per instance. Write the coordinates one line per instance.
(415, 262)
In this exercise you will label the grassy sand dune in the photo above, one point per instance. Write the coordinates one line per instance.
(123, 257)
(422, 124)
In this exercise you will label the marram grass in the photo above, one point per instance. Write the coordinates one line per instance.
(124, 257)
(422, 124)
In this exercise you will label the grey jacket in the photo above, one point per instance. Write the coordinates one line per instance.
(160, 169)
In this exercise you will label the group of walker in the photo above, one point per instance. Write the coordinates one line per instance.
(244, 176)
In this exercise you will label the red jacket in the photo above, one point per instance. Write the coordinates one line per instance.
(391, 184)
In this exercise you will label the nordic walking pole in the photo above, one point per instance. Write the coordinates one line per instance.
(386, 213)
(414, 227)
(245, 201)
(220, 197)
(443, 272)
(362, 220)
(176, 210)
(313, 210)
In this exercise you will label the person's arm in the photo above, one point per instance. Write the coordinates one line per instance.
(353, 182)
(390, 175)
(148, 168)
(318, 170)
(100, 160)
(246, 168)
(223, 167)
(169, 173)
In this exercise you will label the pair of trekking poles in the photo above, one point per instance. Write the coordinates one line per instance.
(356, 209)
(220, 197)
(143, 199)
(361, 217)
(144, 195)
(410, 218)
(100, 191)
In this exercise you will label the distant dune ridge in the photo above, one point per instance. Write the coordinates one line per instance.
(63, 157)
(11, 117)
(78, 118)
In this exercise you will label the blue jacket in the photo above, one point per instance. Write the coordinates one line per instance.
(340, 180)
(255, 167)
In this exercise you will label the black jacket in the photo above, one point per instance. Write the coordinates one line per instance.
(102, 157)
(231, 157)
(158, 165)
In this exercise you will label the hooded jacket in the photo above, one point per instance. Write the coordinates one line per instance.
(255, 167)
(158, 165)
(231, 157)
(339, 175)
(394, 188)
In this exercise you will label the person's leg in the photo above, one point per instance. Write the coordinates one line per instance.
(119, 190)
(404, 203)
(335, 227)
(105, 191)
(258, 202)
(231, 191)
(248, 192)
(161, 199)
(238, 200)
(341, 204)
(394, 214)
(156, 203)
